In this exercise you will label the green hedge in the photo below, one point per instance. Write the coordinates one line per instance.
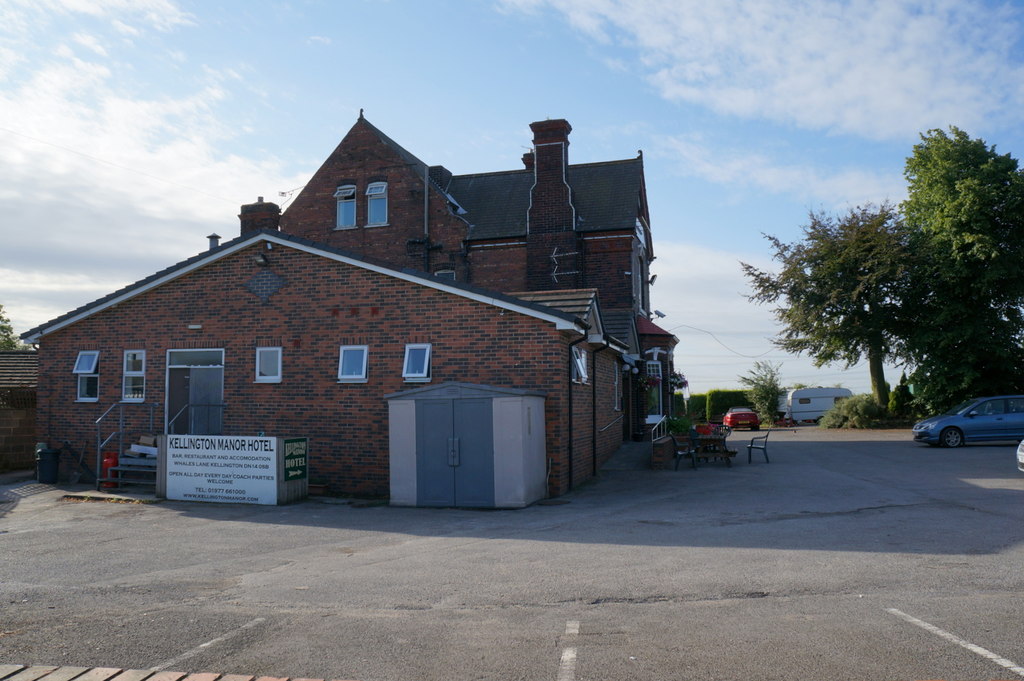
(719, 401)
(703, 406)
(696, 408)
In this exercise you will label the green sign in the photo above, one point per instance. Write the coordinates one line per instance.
(295, 453)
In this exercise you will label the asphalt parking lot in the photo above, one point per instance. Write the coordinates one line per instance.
(850, 555)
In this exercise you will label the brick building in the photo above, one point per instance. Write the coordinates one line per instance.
(386, 280)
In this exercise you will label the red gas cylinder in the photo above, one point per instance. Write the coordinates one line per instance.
(109, 462)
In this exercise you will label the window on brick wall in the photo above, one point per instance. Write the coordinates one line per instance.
(133, 384)
(86, 371)
(352, 363)
(579, 365)
(268, 365)
(377, 203)
(416, 366)
(654, 389)
(346, 196)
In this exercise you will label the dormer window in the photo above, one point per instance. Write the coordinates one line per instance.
(377, 203)
(346, 196)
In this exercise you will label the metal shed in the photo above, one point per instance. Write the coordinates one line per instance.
(459, 444)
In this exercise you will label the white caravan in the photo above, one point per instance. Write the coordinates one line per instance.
(810, 404)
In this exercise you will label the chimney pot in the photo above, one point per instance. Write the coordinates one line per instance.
(214, 240)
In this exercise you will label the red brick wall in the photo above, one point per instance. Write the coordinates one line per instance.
(540, 267)
(321, 306)
(502, 268)
(362, 158)
(608, 258)
(17, 438)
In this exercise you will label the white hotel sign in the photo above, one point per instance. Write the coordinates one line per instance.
(239, 470)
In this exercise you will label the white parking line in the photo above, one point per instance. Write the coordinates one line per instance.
(567, 665)
(953, 638)
(203, 646)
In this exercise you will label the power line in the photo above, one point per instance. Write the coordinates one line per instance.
(717, 340)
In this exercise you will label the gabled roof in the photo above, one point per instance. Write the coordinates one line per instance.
(606, 196)
(417, 165)
(562, 320)
(581, 303)
(19, 369)
(648, 328)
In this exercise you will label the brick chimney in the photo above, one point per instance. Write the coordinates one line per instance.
(553, 247)
(260, 215)
(551, 208)
(528, 160)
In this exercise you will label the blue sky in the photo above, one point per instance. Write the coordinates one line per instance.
(131, 129)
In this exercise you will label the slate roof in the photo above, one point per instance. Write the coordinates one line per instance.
(620, 325)
(181, 268)
(577, 302)
(606, 196)
(615, 326)
(19, 369)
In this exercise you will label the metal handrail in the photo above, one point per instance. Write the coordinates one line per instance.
(660, 427)
(170, 423)
(612, 423)
(102, 442)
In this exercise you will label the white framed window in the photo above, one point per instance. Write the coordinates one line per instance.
(416, 366)
(579, 365)
(377, 203)
(654, 390)
(133, 384)
(346, 195)
(268, 365)
(352, 361)
(86, 370)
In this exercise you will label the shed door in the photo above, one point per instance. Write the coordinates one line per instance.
(454, 453)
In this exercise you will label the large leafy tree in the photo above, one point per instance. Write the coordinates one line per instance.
(8, 339)
(839, 289)
(965, 208)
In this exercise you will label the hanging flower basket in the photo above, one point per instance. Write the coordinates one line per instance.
(647, 382)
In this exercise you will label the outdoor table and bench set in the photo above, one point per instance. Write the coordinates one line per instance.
(708, 443)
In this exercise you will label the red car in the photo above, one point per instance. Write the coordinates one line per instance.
(741, 417)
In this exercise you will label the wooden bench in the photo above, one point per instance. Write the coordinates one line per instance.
(702, 447)
(759, 442)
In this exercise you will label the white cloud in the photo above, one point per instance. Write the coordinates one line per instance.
(879, 69)
(90, 43)
(103, 188)
(740, 168)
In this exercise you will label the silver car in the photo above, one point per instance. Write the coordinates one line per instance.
(982, 419)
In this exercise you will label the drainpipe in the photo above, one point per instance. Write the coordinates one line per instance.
(426, 218)
(569, 445)
(593, 409)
